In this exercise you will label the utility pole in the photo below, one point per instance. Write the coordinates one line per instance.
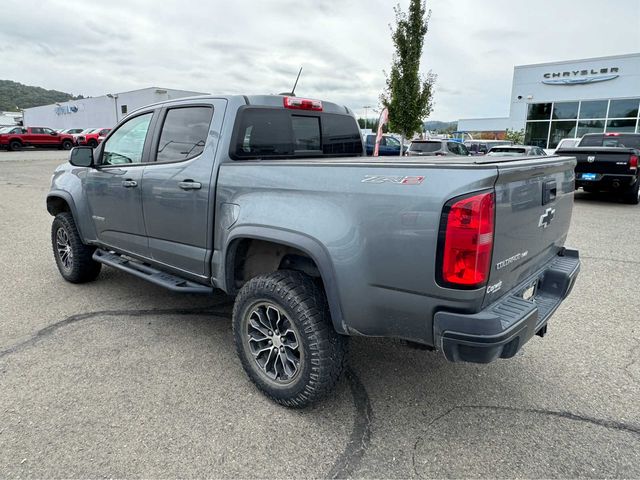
(115, 100)
(366, 118)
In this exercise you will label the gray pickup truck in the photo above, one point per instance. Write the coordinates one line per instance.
(269, 199)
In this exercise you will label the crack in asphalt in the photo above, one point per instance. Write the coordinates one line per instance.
(634, 359)
(610, 259)
(348, 462)
(610, 424)
(359, 439)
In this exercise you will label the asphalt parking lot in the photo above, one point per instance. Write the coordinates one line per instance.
(120, 378)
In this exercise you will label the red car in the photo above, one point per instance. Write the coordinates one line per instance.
(93, 138)
(20, 137)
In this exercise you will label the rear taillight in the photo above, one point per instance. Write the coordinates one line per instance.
(467, 241)
(633, 162)
(297, 103)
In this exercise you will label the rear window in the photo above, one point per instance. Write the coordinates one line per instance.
(625, 141)
(425, 147)
(277, 133)
(507, 150)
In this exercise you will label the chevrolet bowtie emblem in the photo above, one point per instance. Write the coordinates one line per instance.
(547, 217)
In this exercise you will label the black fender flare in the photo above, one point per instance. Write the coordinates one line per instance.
(61, 194)
(309, 245)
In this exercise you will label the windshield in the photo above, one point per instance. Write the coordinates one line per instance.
(609, 140)
(425, 147)
(88, 130)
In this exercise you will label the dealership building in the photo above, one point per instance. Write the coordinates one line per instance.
(567, 99)
(104, 111)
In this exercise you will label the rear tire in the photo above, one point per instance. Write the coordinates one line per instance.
(285, 340)
(632, 196)
(15, 145)
(74, 258)
(67, 144)
(92, 143)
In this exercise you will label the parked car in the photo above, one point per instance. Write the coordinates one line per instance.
(389, 145)
(71, 131)
(35, 137)
(608, 162)
(269, 199)
(481, 147)
(438, 148)
(516, 151)
(92, 138)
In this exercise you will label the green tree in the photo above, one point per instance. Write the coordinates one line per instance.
(515, 136)
(408, 94)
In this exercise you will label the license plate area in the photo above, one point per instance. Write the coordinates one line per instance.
(589, 176)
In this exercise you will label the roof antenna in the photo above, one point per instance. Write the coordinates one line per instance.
(293, 90)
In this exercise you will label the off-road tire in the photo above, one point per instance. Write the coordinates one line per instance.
(15, 145)
(632, 195)
(82, 267)
(323, 351)
(66, 144)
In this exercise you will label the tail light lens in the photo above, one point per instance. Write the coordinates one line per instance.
(633, 162)
(467, 240)
(297, 103)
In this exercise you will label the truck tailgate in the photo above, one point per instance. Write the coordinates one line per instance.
(534, 202)
(601, 159)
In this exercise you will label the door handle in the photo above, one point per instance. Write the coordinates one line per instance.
(190, 185)
(128, 183)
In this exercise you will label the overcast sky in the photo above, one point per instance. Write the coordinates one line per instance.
(257, 46)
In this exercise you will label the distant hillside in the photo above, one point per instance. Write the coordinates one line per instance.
(436, 126)
(15, 96)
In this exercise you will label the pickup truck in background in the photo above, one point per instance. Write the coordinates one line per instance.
(92, 138)
(608, 162)
(389, 145)
(270, 199)
(20, 137)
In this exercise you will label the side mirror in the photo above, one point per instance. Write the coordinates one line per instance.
(81, 157)
(54, 133)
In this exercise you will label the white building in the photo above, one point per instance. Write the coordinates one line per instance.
(557, 100)
(9, 119)
(104, 111)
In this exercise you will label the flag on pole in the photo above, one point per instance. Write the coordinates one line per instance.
(384, 118)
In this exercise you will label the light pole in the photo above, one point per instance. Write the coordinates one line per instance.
(366, 118)
(115, 100)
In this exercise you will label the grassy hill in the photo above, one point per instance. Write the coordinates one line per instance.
(15, 96)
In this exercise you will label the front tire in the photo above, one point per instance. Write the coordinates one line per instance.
(74, 258)
(67, 145)
(285, 339)
(632, 196)
(15, 145)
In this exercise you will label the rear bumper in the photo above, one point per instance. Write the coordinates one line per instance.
(607, 181)
(501, 329)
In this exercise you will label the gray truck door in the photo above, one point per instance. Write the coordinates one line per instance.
(113, 188)
(179, 185)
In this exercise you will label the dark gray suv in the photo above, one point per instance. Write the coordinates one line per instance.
(439, 148)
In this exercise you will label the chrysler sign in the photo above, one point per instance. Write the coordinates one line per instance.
(580, 77)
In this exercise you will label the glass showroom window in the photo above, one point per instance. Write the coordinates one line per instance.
(539, 111)
(565, 111)
(589, 126)
(627, 108)
(593, 109)
(622, 125)
(560, 130)
(536, 134)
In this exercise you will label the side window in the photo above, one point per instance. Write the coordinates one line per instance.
(126, 145)
(37, 131)
(452, 147)
(392, 142)
(463, 149)
(48, 131)
(184, 133)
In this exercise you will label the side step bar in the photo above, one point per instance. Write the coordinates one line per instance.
(140, 270)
